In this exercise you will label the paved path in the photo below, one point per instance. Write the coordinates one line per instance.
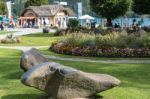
(23, 31)
(125, 61)
(22, 48)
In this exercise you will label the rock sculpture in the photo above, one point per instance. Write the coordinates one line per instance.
(62, 82)
(31, 58)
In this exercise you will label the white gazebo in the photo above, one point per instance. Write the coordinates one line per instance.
(88, 19)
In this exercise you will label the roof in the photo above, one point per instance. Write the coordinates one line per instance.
(49, 10)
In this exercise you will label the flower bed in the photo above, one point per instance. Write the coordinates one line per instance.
(97, 51)
(111, 45)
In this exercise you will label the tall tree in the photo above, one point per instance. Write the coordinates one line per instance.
(141, 6)
(86, 7)
(3, 8)
(36, 2)
(110, 9)
(18, 7)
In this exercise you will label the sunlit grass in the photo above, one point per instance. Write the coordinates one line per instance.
(39, 39)
(10, 73)
(134, 77)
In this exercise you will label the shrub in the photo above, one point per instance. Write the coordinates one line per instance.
(80, 39)
(45, 30)
(73, 23)
(145, 40)
(60, 32)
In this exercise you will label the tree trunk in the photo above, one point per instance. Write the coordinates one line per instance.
(109, 22)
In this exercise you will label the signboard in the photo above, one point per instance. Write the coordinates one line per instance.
(63, 3)
(79, 9)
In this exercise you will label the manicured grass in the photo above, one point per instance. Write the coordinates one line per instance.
(39, 39)
(135, 78)
(7, 32)
(10, 73)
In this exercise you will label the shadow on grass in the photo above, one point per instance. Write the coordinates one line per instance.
(131, 75)
(24, 96)
(13, 75)
(40, 35)
(35, 96)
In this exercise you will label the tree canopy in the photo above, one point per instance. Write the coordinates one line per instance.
(141, 6)
(3, 8)
(110, 9)
(36, 2)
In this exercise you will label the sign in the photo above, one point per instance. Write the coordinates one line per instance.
(63, 3)
(79, 9)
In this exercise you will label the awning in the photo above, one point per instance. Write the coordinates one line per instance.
(1, 18)
(86, 17)
(27, 17)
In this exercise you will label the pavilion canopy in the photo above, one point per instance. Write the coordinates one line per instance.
(86, 17)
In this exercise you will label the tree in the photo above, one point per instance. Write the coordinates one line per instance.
(73, 23)
(110, 9)
(36, 2)
(18, 7)
(3, 8)
(141, 6)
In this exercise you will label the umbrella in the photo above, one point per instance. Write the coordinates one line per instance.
(86, 17)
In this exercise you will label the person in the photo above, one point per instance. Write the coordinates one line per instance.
(44, 23)
(2, 26)
(116, 25)
(87, 23)
(134, 25)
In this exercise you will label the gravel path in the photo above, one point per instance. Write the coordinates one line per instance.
(125, 61)
(22, 48)
(23, 31)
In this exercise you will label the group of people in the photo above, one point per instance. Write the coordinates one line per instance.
(30, 23)
(4, 25)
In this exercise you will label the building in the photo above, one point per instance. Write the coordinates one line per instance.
(49, 15)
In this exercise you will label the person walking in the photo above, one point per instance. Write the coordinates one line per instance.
(2, 26)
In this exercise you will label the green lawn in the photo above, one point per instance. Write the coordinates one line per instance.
(10, 73)
(39, 39)
(135, 78)
(7, 32)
